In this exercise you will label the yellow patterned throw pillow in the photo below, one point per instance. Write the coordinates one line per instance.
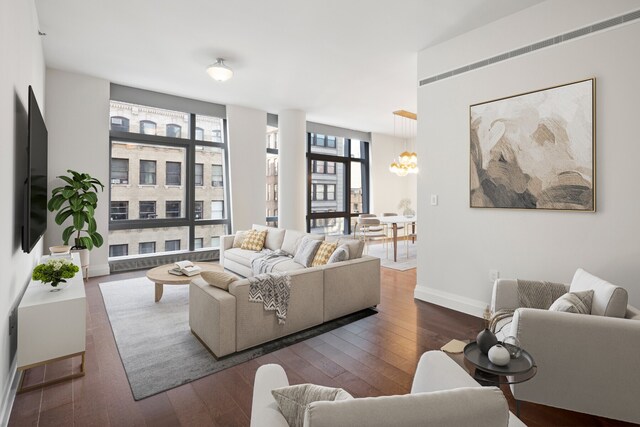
(324, 253)
(254, 240)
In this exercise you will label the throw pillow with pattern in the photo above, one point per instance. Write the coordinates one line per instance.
(324, 253)
(574, 302)
(306, 251)
(254, 240)
(293, 400)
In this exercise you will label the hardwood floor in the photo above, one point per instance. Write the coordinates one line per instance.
(371, 357)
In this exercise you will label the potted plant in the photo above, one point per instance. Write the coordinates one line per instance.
(405, 206)
(78, 200)
(55, 271)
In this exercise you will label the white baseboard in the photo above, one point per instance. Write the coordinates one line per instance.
(9, 393)
(99, 270)
(449, 300)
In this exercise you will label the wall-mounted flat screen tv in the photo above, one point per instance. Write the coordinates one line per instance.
(35, 197)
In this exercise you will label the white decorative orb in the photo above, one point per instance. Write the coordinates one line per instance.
(498, 355)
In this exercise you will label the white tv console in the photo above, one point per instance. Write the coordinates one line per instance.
(52, 326)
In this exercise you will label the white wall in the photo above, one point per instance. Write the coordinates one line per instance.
(387, 189)
(78, 124)
(463, 244)
(22, 65)
(247, 156)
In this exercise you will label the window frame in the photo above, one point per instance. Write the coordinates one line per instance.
(126, 212)
(154, 173)
(125, 245)
(173, 174)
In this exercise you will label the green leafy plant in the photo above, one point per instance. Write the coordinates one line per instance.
(55, 271)
(78, 200)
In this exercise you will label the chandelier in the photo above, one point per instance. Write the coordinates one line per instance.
(404, 127)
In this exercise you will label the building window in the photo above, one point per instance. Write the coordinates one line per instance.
(148, 210)
(119, 211)
(173, 209)
(331, 192)
(174, 131)
(216, 135)
(147, 172)
(217, 209)
(318, 166)
(119, 124)
(119, 171)
(331, 168)
(268, 192)
(331, 141)
(174, 172)
(215, 242)
(217, 176)
(199, 179)
(171, 245)
(318, 192)
(275, 192)
(118, 250)
(198, 242)
(199, 134)
(146, 247)
(199, 209)
(147, 127)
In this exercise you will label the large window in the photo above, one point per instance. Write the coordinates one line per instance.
(184, 152)
(338, 173)
(272, 176)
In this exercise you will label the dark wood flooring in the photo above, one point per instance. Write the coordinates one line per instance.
(371, 357)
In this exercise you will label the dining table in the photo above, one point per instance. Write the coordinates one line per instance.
(394, 221)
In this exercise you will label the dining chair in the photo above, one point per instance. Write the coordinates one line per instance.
(371, 229)
(400, 227)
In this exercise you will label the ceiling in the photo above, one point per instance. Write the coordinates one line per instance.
(346, 63)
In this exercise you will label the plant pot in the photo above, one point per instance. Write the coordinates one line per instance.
(59, 250)
(84, 260)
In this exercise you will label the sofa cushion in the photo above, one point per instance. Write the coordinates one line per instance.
(292, 239)
(219, 279)
(356, 246)
(340, 254)
(274, 238)
(254, 241)
(241, 256)
(293, 400)
(306, 251)
(239, 237)
(608, 300)
(574, 302)
(289, 265)
(324, 253)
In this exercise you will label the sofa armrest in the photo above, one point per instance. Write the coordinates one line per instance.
(504, 295)
(226, 242)
(212, 316)
(586, 363)
(437, 371)
(264, 409)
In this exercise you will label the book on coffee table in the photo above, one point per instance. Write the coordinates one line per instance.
(185, 268)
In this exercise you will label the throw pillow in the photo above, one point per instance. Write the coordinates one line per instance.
(239, 238)
(356, 247)
(293, 400)
(608, 299)
(219, 279)
(306, 251)
(340, 254)
(574, 302)
(254, 241)
(324, 253)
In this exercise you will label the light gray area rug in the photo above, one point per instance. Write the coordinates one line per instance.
(157, 348)
(404, 263)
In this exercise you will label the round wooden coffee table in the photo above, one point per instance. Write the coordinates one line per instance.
(161, 276)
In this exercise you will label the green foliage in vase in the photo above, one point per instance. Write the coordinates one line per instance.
(55, 271)
(78, 200)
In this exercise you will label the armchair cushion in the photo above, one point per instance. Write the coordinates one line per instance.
(608, 300)
(294, 400)
(574, 302)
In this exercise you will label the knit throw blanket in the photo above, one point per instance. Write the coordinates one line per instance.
(531, 294)
(273, 290)
(266, 261)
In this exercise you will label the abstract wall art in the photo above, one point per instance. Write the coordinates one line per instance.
(535, 150)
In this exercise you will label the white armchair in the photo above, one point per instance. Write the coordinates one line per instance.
(586, 363)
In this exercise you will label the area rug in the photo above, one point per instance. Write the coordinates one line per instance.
(404, 263)
(157, 348)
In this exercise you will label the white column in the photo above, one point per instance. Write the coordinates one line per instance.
(292, 179)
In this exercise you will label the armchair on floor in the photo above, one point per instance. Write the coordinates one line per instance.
(586, 362)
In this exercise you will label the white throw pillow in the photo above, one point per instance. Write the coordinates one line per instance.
(239, 238)
(608, 300)
(307, 251)
(340, 254)
(574, 302)
(293, 400)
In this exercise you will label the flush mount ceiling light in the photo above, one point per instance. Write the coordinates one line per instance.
(220, 71)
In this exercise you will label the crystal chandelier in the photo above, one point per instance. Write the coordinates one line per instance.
(404, 126)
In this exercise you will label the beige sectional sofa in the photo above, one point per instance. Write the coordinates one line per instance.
(226, 322)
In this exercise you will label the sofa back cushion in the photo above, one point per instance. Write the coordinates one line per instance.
(608, 300)
(274, 238)
(292, 239)
(472, 406)
(355, 246)
(306, 251)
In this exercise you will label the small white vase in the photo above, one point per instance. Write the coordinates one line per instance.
(498, 355)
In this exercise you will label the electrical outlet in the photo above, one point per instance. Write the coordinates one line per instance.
(434, 200)
(493, 275)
